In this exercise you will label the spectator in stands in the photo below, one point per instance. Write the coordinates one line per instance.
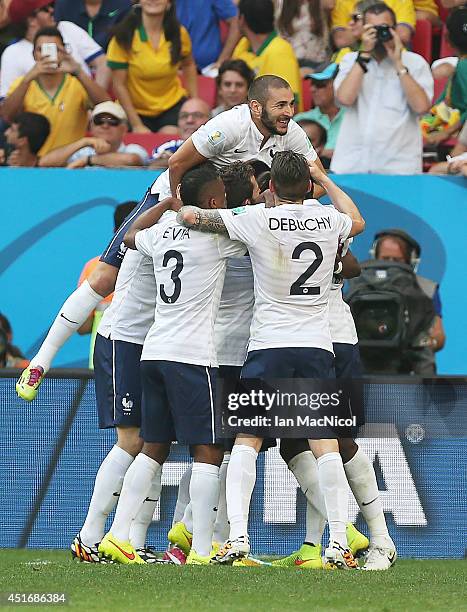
(96, 17)
(457, 160)
(344, 12)
(24, 139)
(304, 24)
(105, 147)
(202, 20)
(427, 9)
(193, 114)
(32, 15)
(455, 92)
(262, 49)
(60, 90)
(10, 356)
(384, 88)
(317, 135)
(233, 81)
(90, 326)
(326, 112)
(145, 55)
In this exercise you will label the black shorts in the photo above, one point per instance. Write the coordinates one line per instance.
(118, 383)
(178, 402)
(299, 362)
(347, 362)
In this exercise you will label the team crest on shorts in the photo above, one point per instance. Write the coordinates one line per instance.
(216, 137)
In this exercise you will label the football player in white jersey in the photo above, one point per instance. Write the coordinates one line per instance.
(254, 130)
(293, 249)
(178, 376)
(358, 469)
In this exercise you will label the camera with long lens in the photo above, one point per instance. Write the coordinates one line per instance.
(383, 33)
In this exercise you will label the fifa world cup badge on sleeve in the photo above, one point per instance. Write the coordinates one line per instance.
(216, 137)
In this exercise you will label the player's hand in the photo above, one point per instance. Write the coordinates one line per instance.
(368, 38)
(141, 129)
(100, 145)
(394, 48)
(317, 174)
(173, 203)
(81, 162)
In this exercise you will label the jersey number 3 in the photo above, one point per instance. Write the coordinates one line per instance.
(170, 299)
(297, 288)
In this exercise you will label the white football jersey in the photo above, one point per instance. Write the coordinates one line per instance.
(131, 312)
(341, 321)
(232, 328)
(232, 136)
(189, 267)
(293, 249)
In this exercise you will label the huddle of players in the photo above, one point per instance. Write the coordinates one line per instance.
(178, 362)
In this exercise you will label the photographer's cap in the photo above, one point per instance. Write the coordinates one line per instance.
(109, 108)
(325, 75)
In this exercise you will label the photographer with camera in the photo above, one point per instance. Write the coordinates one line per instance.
(397, 312)
(385, 88)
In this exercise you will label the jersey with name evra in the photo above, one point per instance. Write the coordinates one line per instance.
(131, 312)
(293, 249)
(189, 267)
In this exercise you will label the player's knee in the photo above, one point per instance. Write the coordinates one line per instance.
(208, 453)
(291, 448)
(322, 447)
(103, 278)
(156, 451)
(129, 440)
(347, 448)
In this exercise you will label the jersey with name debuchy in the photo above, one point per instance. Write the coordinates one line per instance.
(189, 268)
(293, 249)
(232, 136)
(131, 312)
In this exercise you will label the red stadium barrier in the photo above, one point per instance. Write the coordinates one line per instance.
(148, 141)
(446, 50)
(207, 89)
(306, 94)
(422, 40)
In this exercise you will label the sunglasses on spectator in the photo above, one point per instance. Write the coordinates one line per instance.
(320, 84)
(196, 115)
(356, 17)
(48, 8)
(112, 121)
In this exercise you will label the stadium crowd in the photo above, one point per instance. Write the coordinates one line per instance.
(163, 85)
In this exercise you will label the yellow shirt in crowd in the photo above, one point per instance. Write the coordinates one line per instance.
(275, 56)
(404, 10)
(66, 111)
(153, 82)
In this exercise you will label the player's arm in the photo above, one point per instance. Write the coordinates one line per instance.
(339, 198)
(202, 220)
(149, 218)
(350, 266)
(182, 160)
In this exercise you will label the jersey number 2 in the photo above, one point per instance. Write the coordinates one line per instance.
(170, 299)
(297, 288)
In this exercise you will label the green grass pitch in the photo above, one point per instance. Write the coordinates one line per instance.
(409, 586)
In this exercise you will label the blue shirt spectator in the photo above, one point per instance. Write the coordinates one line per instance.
(97, 25)
(201, 18)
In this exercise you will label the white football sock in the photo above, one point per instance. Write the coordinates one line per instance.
(305, 469)
(183, 496)
(187, 518)
(107, 487)
(140, 524)
(71, 316)
(241, 478)
(140, 477)
(204, 494)
(362, 480)
(334, 487)
(221, 526)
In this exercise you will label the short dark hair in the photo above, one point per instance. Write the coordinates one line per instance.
(237, 181)
(323, 133)
(122, 211)
(47, 31)
(377, 9)
(456, 24)
(236, 65)
(260, 87)
(34, 127)
(290, 175)
(258, 14)
(195, 180)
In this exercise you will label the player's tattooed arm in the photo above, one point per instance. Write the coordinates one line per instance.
(202, 220)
